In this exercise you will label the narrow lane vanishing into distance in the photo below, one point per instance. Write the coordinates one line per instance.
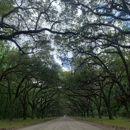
(63, 123)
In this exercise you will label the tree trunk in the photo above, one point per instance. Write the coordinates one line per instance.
(11, 111)
(33, 112)
(107, 102)
(109, 112)
(99, 113)
(18, 110)
(5, 110)
(42, 114)
(92, 112)
(24, 112)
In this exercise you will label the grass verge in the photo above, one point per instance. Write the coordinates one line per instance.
(21, 122)
(120, 122)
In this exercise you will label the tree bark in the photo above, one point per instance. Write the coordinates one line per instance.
(33, 112)
(11, 111)
(5, 110)
(99, 113)
(109, 111)
(24, 112)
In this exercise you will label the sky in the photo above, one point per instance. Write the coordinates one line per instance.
(58, 58)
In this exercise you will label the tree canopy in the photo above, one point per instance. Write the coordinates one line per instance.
(94, 38)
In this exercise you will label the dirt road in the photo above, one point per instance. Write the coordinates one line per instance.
(64, 123)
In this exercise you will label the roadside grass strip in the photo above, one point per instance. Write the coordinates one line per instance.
(21, 122)
(119, 121)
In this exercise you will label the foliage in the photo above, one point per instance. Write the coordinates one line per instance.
(95, 33)
(6, 6)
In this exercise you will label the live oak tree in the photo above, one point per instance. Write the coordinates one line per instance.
(44, 16)
(95, 32)
(18, 78)
(30, 20)
(102, 35)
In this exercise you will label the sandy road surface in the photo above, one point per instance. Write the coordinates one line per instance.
(64, 123)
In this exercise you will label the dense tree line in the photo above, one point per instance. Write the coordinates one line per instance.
(95, 33)
(100, 56)
(28, 84)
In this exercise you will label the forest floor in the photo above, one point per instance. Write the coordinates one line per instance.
(20, 123)
(66, 123)
(115, 124)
